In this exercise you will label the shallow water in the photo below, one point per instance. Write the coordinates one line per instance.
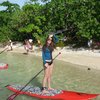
(65, 76)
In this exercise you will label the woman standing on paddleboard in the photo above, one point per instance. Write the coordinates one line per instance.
(47, 50)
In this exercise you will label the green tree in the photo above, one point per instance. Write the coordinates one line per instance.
(5, 19)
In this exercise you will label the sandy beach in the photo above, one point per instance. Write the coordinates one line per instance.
(81, 56)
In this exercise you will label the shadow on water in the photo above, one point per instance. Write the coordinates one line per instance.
(36, 82)
(25, 53)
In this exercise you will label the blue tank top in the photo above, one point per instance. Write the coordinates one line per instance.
(47, 54)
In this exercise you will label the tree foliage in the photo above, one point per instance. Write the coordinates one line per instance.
(35, 20)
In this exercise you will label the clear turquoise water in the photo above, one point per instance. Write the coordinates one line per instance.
(66, 76)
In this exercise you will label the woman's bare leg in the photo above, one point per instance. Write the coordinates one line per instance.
(49, 76)
(45, 76)
(45, 80)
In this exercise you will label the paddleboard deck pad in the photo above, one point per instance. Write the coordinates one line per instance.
(52, 94)
(3, 66)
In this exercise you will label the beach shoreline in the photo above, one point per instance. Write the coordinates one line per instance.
(88, 58)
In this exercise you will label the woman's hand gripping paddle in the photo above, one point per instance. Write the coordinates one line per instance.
(13, 96)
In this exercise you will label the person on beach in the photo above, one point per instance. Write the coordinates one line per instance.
(10, 45)
(90, 44)
(27, 46)
(39, 44)
(31, 44)
(47, 50)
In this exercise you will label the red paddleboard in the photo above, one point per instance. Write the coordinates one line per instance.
(3, 66)
(64, 95)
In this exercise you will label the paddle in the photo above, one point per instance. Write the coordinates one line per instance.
(11, 97)
(3, 50)
(59, 31)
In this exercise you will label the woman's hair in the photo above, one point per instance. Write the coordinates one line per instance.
(51, 46)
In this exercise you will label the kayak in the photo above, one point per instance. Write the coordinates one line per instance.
(3, 66)
(53, 94)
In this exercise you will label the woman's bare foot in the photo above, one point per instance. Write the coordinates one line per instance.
(44, 90)
(51, 89)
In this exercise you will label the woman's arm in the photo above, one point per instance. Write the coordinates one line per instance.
(43, 57)
(55, 38)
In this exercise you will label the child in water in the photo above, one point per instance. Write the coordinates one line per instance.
(27, 46)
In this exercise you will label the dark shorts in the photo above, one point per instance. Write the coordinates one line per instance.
(48, 63)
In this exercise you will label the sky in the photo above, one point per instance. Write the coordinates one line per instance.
(19, 2)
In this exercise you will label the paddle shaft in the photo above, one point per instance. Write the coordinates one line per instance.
(3, 50)
(17, 93)
(60, 31)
